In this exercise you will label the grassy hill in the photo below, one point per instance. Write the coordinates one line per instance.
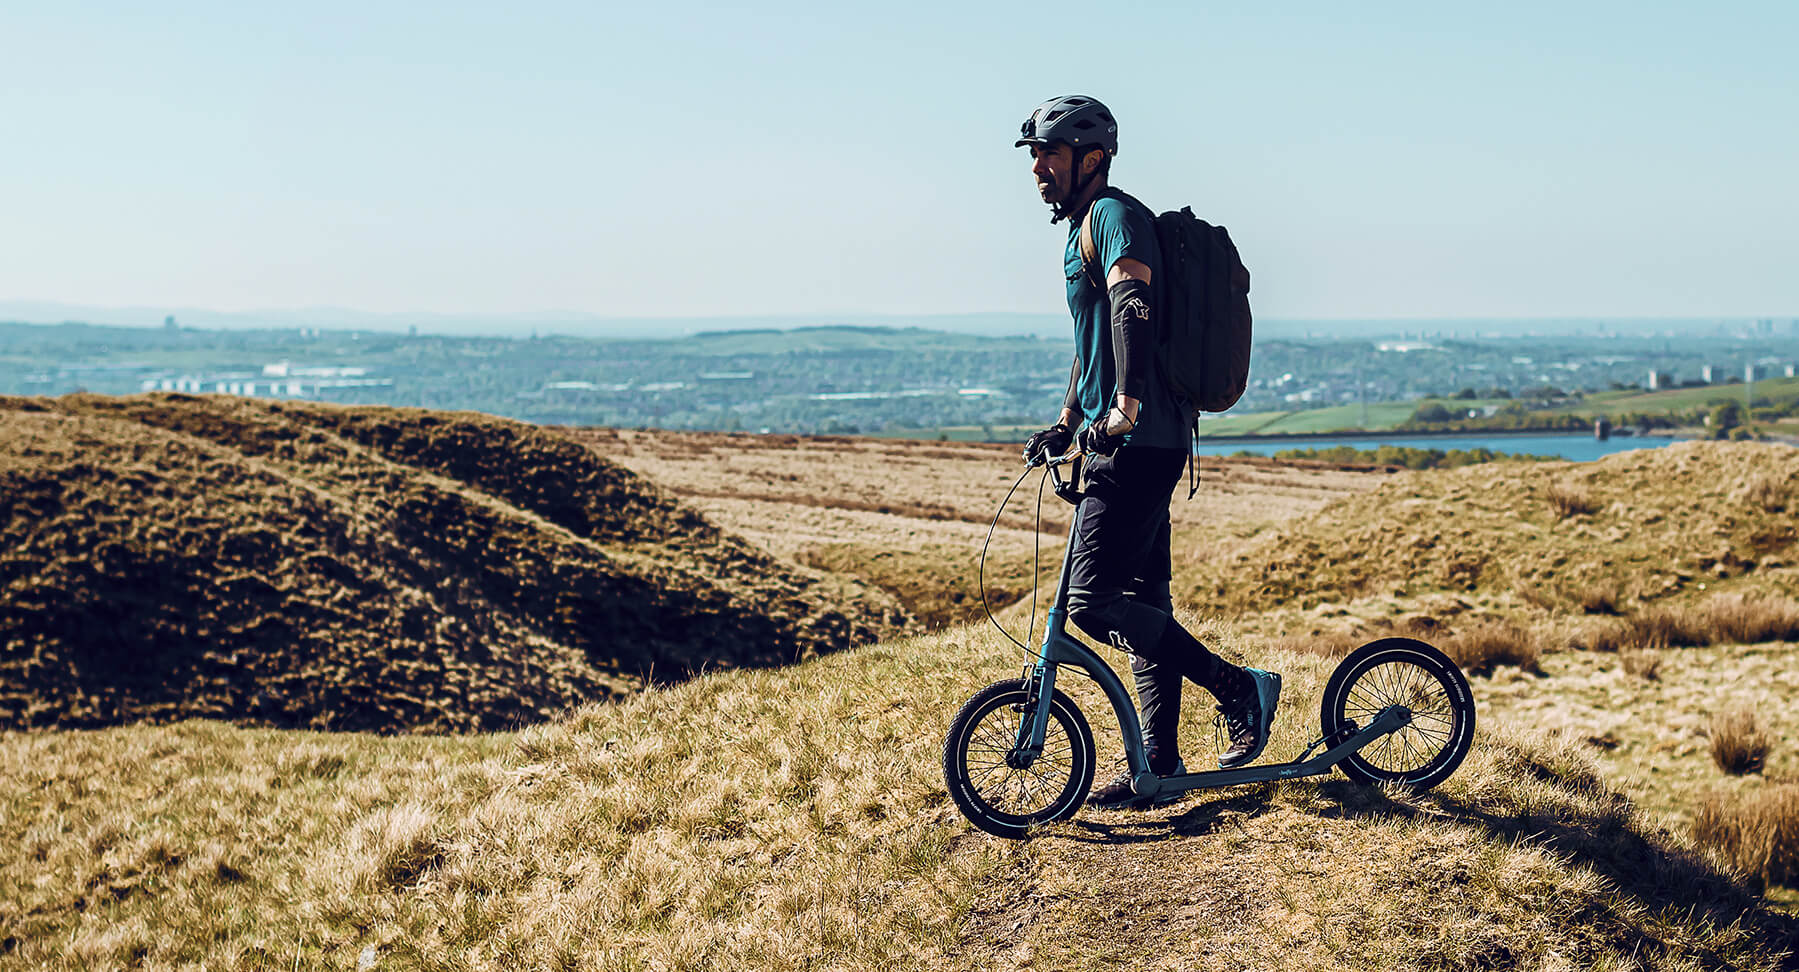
(300, 565)
(793, 817)
(1610, 537)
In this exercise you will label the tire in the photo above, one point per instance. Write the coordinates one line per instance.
(1401, 671)
(999, 799)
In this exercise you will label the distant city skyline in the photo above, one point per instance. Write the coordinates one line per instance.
(804, 162)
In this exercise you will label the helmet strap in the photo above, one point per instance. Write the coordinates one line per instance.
(1070, 206)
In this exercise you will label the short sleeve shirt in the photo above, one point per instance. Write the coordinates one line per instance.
(1122, 227)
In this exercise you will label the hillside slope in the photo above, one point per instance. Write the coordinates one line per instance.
(290, 564)
(794, 818)
(1653, 523)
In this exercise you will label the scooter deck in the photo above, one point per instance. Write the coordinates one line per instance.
(1389, 720)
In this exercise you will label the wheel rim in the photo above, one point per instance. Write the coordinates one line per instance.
(1412, 747)
(1008, 790)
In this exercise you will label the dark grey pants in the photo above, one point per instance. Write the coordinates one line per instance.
(1118, 587)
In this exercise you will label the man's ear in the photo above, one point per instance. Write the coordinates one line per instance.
(1091, 160)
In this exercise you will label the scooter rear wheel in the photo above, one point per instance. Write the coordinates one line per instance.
(1401, 671)
(1004, 799)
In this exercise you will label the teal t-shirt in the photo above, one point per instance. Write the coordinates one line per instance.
(1122, 227)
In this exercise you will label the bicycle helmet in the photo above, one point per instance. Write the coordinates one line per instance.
(1080, 121)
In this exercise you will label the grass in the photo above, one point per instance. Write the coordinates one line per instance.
(1570, 500)
(794, 818)
(1739, 745)
(1335, 418)
(1682, 399)
(1727, 618)
(298, 565)
(1756, 832)
(1481, 649)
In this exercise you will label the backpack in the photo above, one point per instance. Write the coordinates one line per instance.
(1205, 333)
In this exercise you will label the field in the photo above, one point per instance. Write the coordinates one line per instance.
(1623, 619)
(1383, 416)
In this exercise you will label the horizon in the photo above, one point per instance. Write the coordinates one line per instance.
(1412, 162)
(993, 324)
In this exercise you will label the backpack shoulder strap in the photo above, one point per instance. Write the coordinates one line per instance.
(1089, 251)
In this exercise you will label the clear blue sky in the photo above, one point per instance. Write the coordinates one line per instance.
(1371, 159)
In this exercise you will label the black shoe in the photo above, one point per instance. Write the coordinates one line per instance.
(1118, 795)
(1247, 724)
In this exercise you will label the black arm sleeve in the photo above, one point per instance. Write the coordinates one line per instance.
(1133, 336)
(1072, 401)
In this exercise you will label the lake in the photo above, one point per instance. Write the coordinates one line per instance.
(1581, 447)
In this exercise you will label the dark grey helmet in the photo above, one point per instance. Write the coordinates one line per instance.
(1076, 119)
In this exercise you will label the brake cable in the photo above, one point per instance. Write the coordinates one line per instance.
(1036, 548)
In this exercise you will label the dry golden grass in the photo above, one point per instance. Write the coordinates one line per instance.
(1486, 535)
(289, 564)
(1739, 745)
(1644, 663)
(1570, 499)
(1480, 649)
(794, 818)
(1773, 494)
(1756, 832)
(1728, 618)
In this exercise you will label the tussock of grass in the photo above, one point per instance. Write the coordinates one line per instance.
(1490, 644)
(1772, 494)
(1738, 743)
(1729, 618)
(1600, 596)
(1570, 499)
(1756, 832)
(1644, 663)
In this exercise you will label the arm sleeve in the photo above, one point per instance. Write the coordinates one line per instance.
(1120, 231)
(1133, 336)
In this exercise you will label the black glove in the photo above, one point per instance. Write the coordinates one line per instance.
(1095, 440)
(1051, 442)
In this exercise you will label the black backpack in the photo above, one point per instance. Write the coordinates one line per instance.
(1205, 319)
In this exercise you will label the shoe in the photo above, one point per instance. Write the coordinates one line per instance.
(1248, 723)
(1118, 795)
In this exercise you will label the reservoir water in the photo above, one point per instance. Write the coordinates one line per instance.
(1581, 447)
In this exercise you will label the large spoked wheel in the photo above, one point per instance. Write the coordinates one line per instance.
(992, 790)
(1401, 671)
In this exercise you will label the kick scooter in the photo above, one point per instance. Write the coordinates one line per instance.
(1020, 754)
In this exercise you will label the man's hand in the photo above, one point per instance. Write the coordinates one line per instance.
(1051, 442)
(1105, 437)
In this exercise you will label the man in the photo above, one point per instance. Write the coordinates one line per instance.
(1136, 439)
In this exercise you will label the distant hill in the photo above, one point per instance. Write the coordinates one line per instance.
(304, 565)
(1650, 524)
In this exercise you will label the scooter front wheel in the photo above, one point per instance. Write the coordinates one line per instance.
(995, 789)
(1401, 671)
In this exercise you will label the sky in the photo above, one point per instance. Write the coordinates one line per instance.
(685, 159)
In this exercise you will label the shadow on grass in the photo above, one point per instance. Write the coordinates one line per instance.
(1662, 877)
(1133, 827)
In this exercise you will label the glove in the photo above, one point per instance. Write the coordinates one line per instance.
(1104, 437)
(1095, 440)
(1053, 441)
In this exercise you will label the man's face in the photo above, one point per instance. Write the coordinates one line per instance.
(1053, 165)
